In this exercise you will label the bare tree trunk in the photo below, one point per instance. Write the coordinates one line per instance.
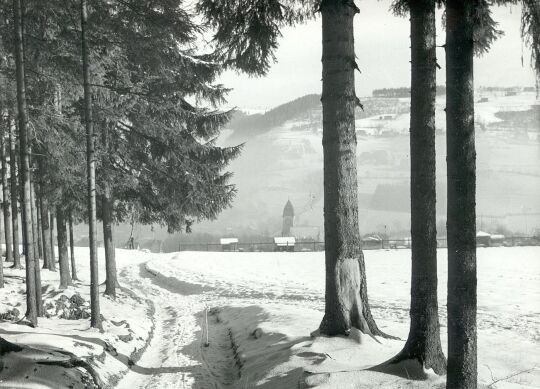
(72, 249)
(95, 317)
(45, 233)
(37, 267)
(34, 243)
(21, 201)
(346, 304)
(33, 227)
(423, 343)
(6, 206)
(25, 162)
(14, 197)
(111, 282)
(53, 254)
(1, 263)
(48, 254)
(461, 176)
(63, 260)
(38, 218)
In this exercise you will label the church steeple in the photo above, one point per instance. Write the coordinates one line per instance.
(288, 219)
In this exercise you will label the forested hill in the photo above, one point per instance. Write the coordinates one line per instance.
(244, 125)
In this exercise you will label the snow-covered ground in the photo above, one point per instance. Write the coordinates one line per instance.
(243, 320)
(127, 327)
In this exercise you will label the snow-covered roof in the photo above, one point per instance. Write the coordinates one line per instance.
(373, 238)
(481, 234)
(284, 240)
(228, 240)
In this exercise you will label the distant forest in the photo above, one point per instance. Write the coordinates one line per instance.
(441, 90)
(402, 92)
(244, 124)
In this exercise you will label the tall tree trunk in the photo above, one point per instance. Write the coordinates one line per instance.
(37, 267)
(63, 260)
(45, 233)
(39, 234)
(14, 197)
(33, 227)
(346, 302)
(1, 266)
(461, 176)
(423, 343)
(6, 206)
(51, 237)
(110, 258)
(21, 201)
(111, 282)
(72, 249)
(95, 319)
(25, 171)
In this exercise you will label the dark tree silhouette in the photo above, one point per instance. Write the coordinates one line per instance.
(95, 318)
(346, 300)
(31, 305)
(423, 343)
(461, 196)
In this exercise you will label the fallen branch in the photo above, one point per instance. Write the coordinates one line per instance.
(509, 376)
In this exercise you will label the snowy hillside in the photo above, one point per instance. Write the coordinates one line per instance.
(282, 159)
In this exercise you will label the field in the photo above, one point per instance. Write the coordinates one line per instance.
(243, 320)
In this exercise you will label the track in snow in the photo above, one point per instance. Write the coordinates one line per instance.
(176, 356)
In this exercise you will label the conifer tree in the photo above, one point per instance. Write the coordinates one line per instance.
(6, 206)
(31, 304)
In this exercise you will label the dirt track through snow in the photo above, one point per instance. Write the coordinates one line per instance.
(177, 356)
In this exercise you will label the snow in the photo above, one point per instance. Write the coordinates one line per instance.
(126, 327)
(256, 312)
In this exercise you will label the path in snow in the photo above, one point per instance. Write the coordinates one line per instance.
(177, 356)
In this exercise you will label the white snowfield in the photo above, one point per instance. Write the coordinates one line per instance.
(243, 320)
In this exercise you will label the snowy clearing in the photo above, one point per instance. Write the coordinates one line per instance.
(243, 320)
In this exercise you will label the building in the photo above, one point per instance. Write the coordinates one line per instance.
(483, 239)
(288, 219)
(284, 243)
(229, 244)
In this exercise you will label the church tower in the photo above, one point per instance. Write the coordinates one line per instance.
(288, 219)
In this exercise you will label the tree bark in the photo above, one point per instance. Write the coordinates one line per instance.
(38, 218)
(14, 197)
(423, 343)
(111, 282)
(25, 162)
(63, 260)
(45, 233)
(52, 262)
(461, 213)
(346, 304)
(6, 206)
(95, 317)
(34, 242)
(21, 201)
(110, 258)
(33, 227)
(48, 254)
(72, 249)
(1, 263)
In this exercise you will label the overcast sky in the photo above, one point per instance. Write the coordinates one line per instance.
(382, 47)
